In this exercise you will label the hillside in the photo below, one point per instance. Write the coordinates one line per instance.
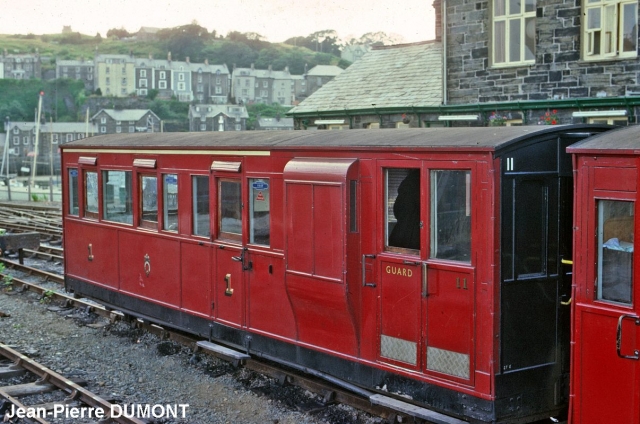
(187, 41)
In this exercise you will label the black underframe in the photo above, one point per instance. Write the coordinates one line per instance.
(514, 408)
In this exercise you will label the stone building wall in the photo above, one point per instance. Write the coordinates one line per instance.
(558, 72)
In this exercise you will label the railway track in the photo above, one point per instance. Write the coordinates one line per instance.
(77, 401)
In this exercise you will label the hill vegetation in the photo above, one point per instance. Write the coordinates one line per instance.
(66, 100)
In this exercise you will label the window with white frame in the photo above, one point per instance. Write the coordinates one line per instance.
(103, 129)
(16, 130)
(218, 90)
(143, 73)
(203, 127)
(25, 140)
(143, 83)
(118, 130)
(69, 137)
(162, 85)
(610, 29)
(103, 120)
(218, 80)
(181, 86)
(163, 75)
(16, 140)
(514, 32)
(132, 129)
(54, 139)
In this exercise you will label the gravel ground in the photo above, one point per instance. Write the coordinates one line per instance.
(124, 364)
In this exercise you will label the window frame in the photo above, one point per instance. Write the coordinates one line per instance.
(611, 17)
(252, 185)
(194, 204)
(165, 202)
(90, 214)
(147, 223)
(226, 235)
(523, 17)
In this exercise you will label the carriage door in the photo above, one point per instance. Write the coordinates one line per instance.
(400, 266)
(606, 361)
(230, 255)
(448, 286)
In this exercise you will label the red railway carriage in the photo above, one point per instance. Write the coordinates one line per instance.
(606, 297)
(422, 263)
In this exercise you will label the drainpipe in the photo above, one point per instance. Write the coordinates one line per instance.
(444, 52)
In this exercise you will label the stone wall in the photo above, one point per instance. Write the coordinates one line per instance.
(559, 73)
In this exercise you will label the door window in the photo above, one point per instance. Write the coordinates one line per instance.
(402, 212)
(91, 194)
(149, 201)
(74, 207)
(259, 223)
(615, 250)
(451, 215)
(201, 206)
(229, 209)
(170, 202)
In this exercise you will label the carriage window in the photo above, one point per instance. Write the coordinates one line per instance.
(201, 206)
(149, 201)
(451, 215)
(229, 209)
(91, 194)
(74, 208)
(615, 250)
(259, 221)
(402, 214)
(116, 196)
(170, 202)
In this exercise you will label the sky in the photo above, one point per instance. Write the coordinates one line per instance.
(276, 20)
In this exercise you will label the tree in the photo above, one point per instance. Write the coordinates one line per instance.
(185, 41)
(119, 33)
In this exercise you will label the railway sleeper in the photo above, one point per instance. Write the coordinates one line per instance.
(230, 355)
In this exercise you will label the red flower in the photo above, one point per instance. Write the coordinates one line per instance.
(554, 111)
(554, 122)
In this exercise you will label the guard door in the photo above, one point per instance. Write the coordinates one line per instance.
(400, 266)
(231, 256)
(606, 360)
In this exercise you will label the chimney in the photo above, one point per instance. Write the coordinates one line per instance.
(169, 56)
(286, 69)
(188, 59)
(269, 68)
(252, 66)
(150, 56)
(437, 6)
(206, 62)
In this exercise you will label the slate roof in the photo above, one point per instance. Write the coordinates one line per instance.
(623, 140)
(403, 75)
(284, 123)
(325, 71)
(210, 111)
(125, 114)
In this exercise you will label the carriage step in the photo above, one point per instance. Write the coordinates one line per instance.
(225, 353)
(413, 410)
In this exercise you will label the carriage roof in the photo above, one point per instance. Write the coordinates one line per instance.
(467, 138)
(624, 140)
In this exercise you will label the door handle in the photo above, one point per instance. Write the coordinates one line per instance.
(636, 352)
(364, 271)
(242, 258)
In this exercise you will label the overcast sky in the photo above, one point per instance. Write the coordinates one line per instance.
(276, 20)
